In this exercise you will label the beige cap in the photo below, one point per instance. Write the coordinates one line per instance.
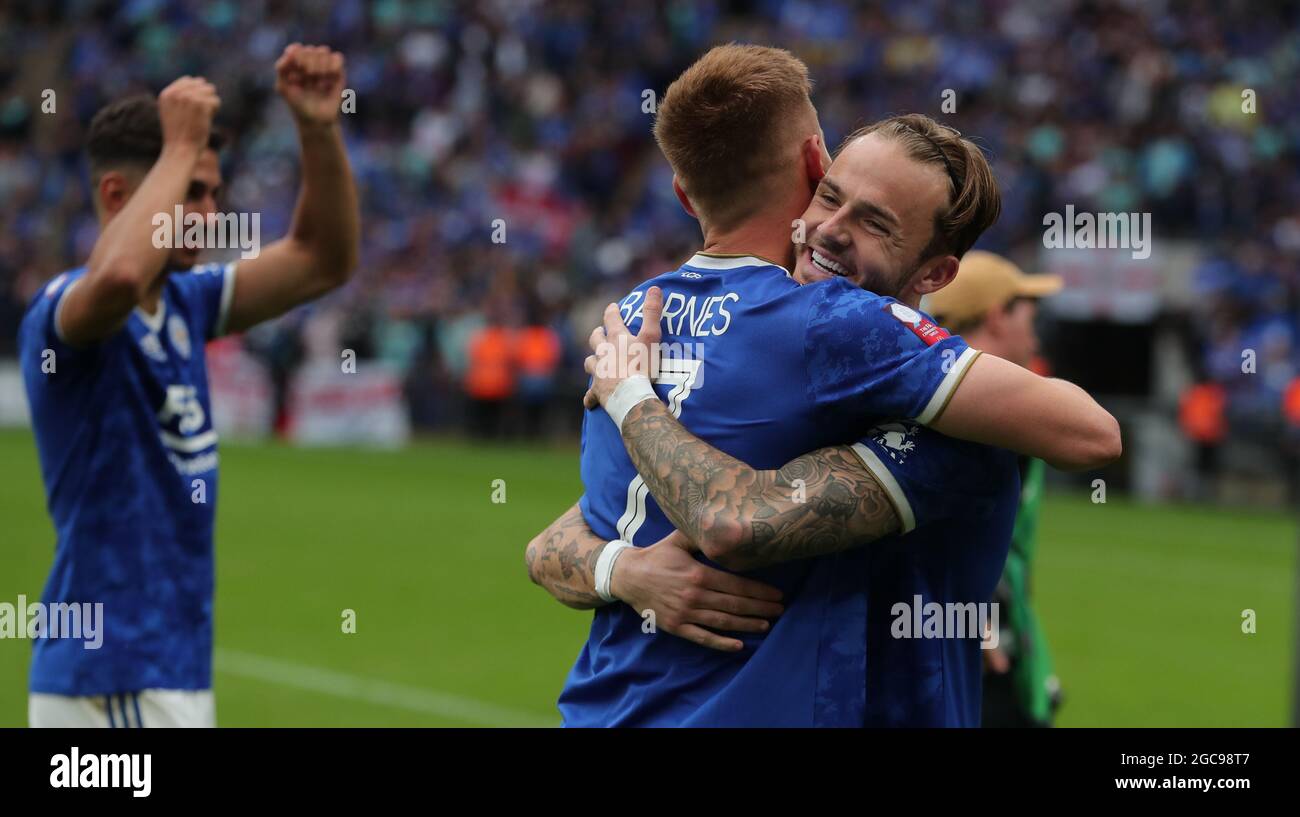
(985, 281)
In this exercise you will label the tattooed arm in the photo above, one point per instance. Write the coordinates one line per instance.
(690, 600)
(743, 518)
(562, 559)
(740, 518)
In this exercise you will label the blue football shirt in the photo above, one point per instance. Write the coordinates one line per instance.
(926, 589)
(128, 455)
(764, 370)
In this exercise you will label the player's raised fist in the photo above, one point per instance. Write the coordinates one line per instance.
(186, 108)
(311, 78)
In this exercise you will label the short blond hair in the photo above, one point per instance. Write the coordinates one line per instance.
(723, 123)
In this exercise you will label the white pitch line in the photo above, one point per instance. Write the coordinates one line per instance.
(381, 693)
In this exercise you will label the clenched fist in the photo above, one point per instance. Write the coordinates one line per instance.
(186, 108)
(311, 78)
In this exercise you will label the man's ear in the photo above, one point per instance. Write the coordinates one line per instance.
(814, 161)
(682, 197)
(113, 190)
(935, 275)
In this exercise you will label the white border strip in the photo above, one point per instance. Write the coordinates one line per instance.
(887, 481)
(947, 386)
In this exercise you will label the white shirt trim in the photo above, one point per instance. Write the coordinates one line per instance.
(154, 321)
(189, 445)
(227, 296)
(947, 386)
(58, 309)
(716, 262)
(885, 477)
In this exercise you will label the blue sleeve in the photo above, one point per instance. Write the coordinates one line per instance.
(870, 358)
(39, 331)
(929, 477)
(208, 290)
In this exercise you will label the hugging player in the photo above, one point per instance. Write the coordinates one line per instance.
(786, 370)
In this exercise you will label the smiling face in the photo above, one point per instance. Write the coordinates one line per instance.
(872, 217)
(124, 142)
(115, 188)
(201, 198)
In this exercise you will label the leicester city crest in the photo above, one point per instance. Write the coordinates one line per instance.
(180, 335)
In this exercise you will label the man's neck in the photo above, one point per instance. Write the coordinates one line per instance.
(910, 298)
(151, 298)
(767, 238)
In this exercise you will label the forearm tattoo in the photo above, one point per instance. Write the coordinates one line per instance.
(563, 557)
(819, 503)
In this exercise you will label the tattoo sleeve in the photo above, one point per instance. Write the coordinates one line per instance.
(562, 559)
(744, 519)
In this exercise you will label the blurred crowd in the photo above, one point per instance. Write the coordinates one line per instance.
(511, 186)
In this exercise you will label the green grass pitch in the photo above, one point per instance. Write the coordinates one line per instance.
(1142, 605)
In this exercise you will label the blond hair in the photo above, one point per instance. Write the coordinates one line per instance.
(723, 126)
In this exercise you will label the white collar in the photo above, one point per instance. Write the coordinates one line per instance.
(703, 260)
(155, 321)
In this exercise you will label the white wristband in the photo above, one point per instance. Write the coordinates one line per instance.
(605, 566)
(635, 389)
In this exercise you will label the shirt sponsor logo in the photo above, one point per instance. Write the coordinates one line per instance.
(152, 348)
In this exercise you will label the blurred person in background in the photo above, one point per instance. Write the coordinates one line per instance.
(114, 363)
(490, 374)
(537, 354)
(1291, 411)
(993, 305)
(1202, 420)
(534, 113)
